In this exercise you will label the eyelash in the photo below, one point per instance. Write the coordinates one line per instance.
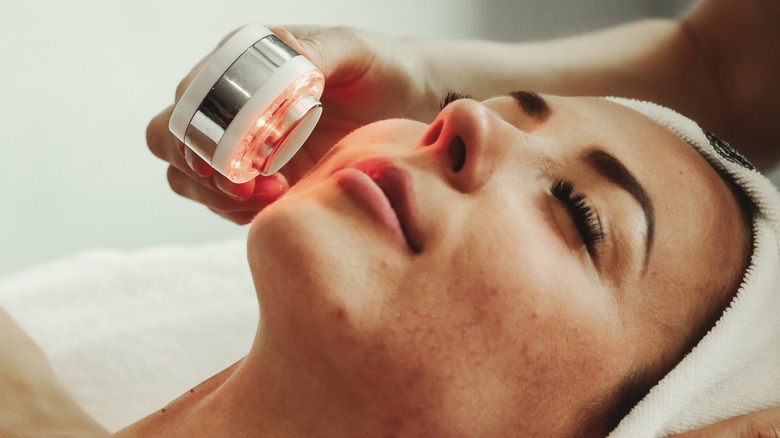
(582, 214)
(450, 97)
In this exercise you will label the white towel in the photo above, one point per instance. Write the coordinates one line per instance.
(129, 331)
(735, 368)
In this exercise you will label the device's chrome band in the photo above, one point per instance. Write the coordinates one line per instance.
(233, 90)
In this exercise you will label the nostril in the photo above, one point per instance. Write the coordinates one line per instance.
(457, 152)
(433, 133)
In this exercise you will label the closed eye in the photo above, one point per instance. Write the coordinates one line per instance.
(583, 216)
(450, 97)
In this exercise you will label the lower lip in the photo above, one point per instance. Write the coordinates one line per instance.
(364, 190)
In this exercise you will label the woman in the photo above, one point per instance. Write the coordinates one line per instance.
(717, 64)
(562, 218)
(353, 319)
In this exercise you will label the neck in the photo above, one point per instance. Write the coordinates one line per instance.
(280, 389)
(261, 395)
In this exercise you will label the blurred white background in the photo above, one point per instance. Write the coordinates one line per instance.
(79, 80)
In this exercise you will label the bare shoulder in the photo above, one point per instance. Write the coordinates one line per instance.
(32, 402)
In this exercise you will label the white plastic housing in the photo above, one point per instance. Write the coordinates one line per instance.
(272, 118)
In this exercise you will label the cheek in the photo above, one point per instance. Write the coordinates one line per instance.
(520, 307)
(386, 138)
(308, 257)
(498, 279)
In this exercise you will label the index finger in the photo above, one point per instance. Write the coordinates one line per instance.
(162, 143)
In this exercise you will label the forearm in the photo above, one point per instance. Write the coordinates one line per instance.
(615, 61)
(652, 60)
(717, 65)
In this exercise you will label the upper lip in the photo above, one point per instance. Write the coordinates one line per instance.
(397, 186)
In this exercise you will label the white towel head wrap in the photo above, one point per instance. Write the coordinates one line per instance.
(735, 368)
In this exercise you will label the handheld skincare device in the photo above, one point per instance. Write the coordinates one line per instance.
(251, 107)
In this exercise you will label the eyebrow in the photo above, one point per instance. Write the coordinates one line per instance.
(613, 170)
(532, 104)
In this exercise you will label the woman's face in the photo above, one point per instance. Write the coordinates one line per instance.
(503, 268)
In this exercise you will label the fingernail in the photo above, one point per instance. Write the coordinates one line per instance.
(240, 192)
(198, 164)
(202, 168)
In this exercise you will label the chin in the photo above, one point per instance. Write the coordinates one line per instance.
(323, 276)
(280, 245)
(300, 247)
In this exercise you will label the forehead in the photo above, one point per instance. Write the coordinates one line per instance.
(699, 231)
(677, 178)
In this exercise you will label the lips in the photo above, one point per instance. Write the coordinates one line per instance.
(396, 185)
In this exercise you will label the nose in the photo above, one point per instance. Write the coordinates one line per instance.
(466, 138)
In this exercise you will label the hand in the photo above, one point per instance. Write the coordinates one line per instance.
(32, 402)
(368, 77)
(762, 424)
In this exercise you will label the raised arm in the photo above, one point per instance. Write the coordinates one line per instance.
(719, 64)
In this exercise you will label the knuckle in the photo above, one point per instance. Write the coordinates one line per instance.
(211, 183)
(236, 218)
(175, 181)
(282, 32)
(153, 138)
(358, 37)
(318, 46)
(314, 49)
(347, 31)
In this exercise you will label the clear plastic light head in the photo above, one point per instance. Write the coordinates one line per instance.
(251, 107)
(280, 129)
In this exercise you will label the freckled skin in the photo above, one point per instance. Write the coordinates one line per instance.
(501, 325)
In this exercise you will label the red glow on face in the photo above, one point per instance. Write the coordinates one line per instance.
(367, 194)
(274, 124)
